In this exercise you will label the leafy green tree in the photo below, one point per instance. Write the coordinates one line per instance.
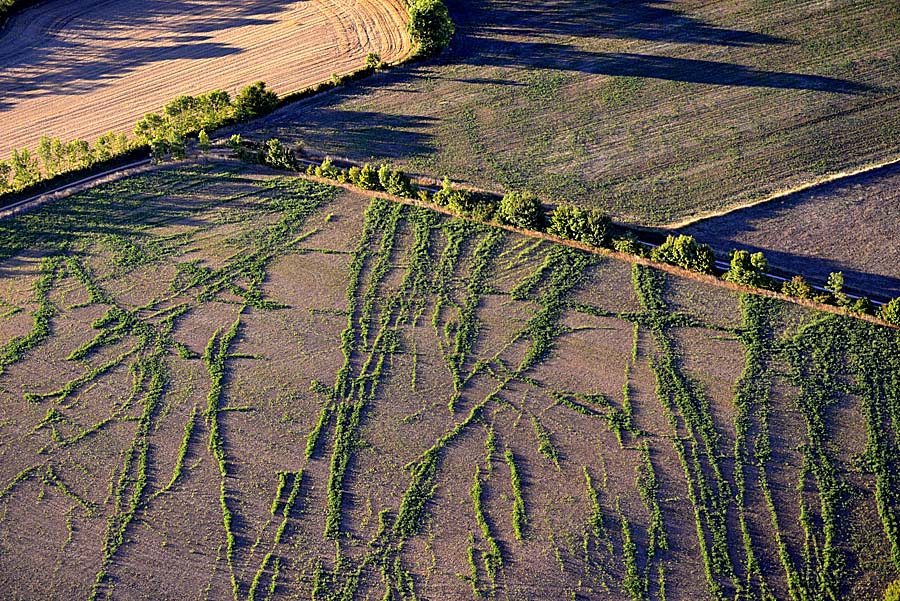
(151, 127)
(367, 179)
(521, 209)
(373, 61)
(442, 196)
(590, 226)
(797, 287)
(327, 170)
(79, 154)
(5, 170)
(254, 101)
(684, 251)
(430, 26)
(398, 184)
(25, 168)
(893, 591)
(891, 314)
(747, 269)
(48, 157)
(835, 286)
(235, 142)
(279, 156)
(203, 141)
(177, 146)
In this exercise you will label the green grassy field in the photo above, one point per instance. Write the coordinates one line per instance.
(219, 383)
(655, 111)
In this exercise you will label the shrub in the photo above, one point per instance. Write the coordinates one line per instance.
(521, 209)
(590, 226)
(746, 268)
(891, 314)
(24, 167)
(373, 61)
(395, 182)
(279, 156)
(254, 101)
(203, 140)
(684, 251)
(797, 287)
(430, 26)
(630, 245)
(5, 170)
(835, 286)
(328, 170)
(366, 178)
(893, 591)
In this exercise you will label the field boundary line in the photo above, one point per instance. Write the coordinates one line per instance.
(783, 193)
(605, 252)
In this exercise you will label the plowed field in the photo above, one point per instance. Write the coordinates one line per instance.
(219, 384)
(79, 69)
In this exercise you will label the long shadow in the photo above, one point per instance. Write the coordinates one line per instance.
(324, 125)
(539, 55)
(651, 20)
(56, 62)
(836, 226)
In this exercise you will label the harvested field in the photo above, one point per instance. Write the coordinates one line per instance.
(852, 226)
(654, 111)
(235, 384)
(81, 69)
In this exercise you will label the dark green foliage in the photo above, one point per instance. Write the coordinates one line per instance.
(279, 156)
(366, 177)
(395, 182)
(521, 209)
(254, 101)
(892, 593)
(891, 312)
(589, 226)
(430, 26)
(373, 61)
(797, 287)
(747, 269)
(684, 251)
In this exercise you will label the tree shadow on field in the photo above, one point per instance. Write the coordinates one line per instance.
(67, 55)
(485, 37)
(321, 124)
(844, 226)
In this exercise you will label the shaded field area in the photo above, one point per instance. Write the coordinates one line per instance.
(652, 110)
(221, 383)
(81, 69)
(849, 226)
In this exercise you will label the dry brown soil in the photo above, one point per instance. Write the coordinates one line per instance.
(81, 69)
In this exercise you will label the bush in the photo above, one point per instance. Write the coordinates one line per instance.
(893, 591)
(254, 101)
(629, 244)
(747, 269)
(521, 209)
(327, 170)
(891, 314)
(373, 61)
(835, 286)
(684, 251)
(797, 287)
(203, 140)
(590, 226)
(365, 178)
(395, 182)
(279, 156)
(430, 26)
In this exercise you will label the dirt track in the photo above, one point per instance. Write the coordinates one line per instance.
(79, 69)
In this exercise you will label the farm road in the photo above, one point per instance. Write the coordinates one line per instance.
(80, 69)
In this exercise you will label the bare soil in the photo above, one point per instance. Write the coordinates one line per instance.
(78, 70)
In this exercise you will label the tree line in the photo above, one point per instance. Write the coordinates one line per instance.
(524, 210)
